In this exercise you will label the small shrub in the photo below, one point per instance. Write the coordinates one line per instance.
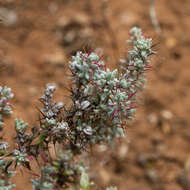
(102, 102)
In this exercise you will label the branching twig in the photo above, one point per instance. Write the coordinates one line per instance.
(153, 17)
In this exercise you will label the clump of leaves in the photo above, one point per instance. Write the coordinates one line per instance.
(5, 109)
(5, 175)
(102, 102)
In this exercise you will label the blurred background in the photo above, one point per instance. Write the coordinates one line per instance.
(37, 39)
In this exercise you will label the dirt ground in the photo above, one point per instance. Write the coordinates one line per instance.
(37, 38)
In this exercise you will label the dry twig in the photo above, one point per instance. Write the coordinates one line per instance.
(153, 17)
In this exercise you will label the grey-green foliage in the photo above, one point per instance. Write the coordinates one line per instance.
(137, 61)
(46, 182)
(5, 175)
(20, 157)
(20, 125)
(51, 108)
(4, 186)
(5, 109)
(105, 99)
(85, 183)
(3, 146)
(60, 171)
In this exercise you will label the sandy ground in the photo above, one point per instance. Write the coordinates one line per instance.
(37, 39)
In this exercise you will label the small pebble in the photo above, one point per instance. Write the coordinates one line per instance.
(166, 114)
(8, 17)
(123, 150)
(145, 159)
(153, 118)
(152, 176)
